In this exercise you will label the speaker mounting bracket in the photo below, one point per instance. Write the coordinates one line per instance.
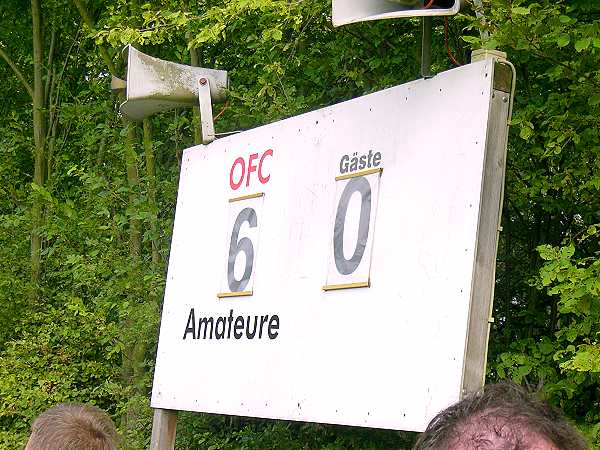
(207, 123)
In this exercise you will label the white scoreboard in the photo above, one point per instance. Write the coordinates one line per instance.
(321, 267)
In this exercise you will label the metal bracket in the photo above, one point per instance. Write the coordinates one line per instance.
(117, 85)
(505, 74)
(206, 115)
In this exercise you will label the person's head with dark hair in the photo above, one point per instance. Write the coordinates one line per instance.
(73, 427)
(500, 417)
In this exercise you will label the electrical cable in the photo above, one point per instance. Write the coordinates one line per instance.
(225, 106)
(447, 44)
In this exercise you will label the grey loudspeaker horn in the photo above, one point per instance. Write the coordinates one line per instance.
(153, 85)
(351, 11)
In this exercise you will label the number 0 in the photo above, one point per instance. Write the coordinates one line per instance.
(236, 247)
(343, 265)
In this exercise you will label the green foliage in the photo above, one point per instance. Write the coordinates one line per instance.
(64, 354)
(235, 433)
(547, 299)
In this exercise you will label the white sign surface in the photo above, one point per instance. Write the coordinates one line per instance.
(354, 308)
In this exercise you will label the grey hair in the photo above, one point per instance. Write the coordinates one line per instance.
(500, 417)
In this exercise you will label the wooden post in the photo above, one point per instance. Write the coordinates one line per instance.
(488, 231)
(164, 426)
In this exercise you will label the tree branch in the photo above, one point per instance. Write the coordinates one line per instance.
(49, 70)
(89, 21)
(18, 73)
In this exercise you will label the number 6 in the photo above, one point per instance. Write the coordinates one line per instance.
(236, 247)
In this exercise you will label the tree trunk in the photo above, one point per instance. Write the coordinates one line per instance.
(151, 186)
(89, 21)
(133, 180)
(39, 134)
(135, 352)
(196, 110)
(132, 369)
(195, 62)
(131, 352)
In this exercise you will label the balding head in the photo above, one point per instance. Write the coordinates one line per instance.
(501, 417)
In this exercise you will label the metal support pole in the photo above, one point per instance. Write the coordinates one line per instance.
(427, 26)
